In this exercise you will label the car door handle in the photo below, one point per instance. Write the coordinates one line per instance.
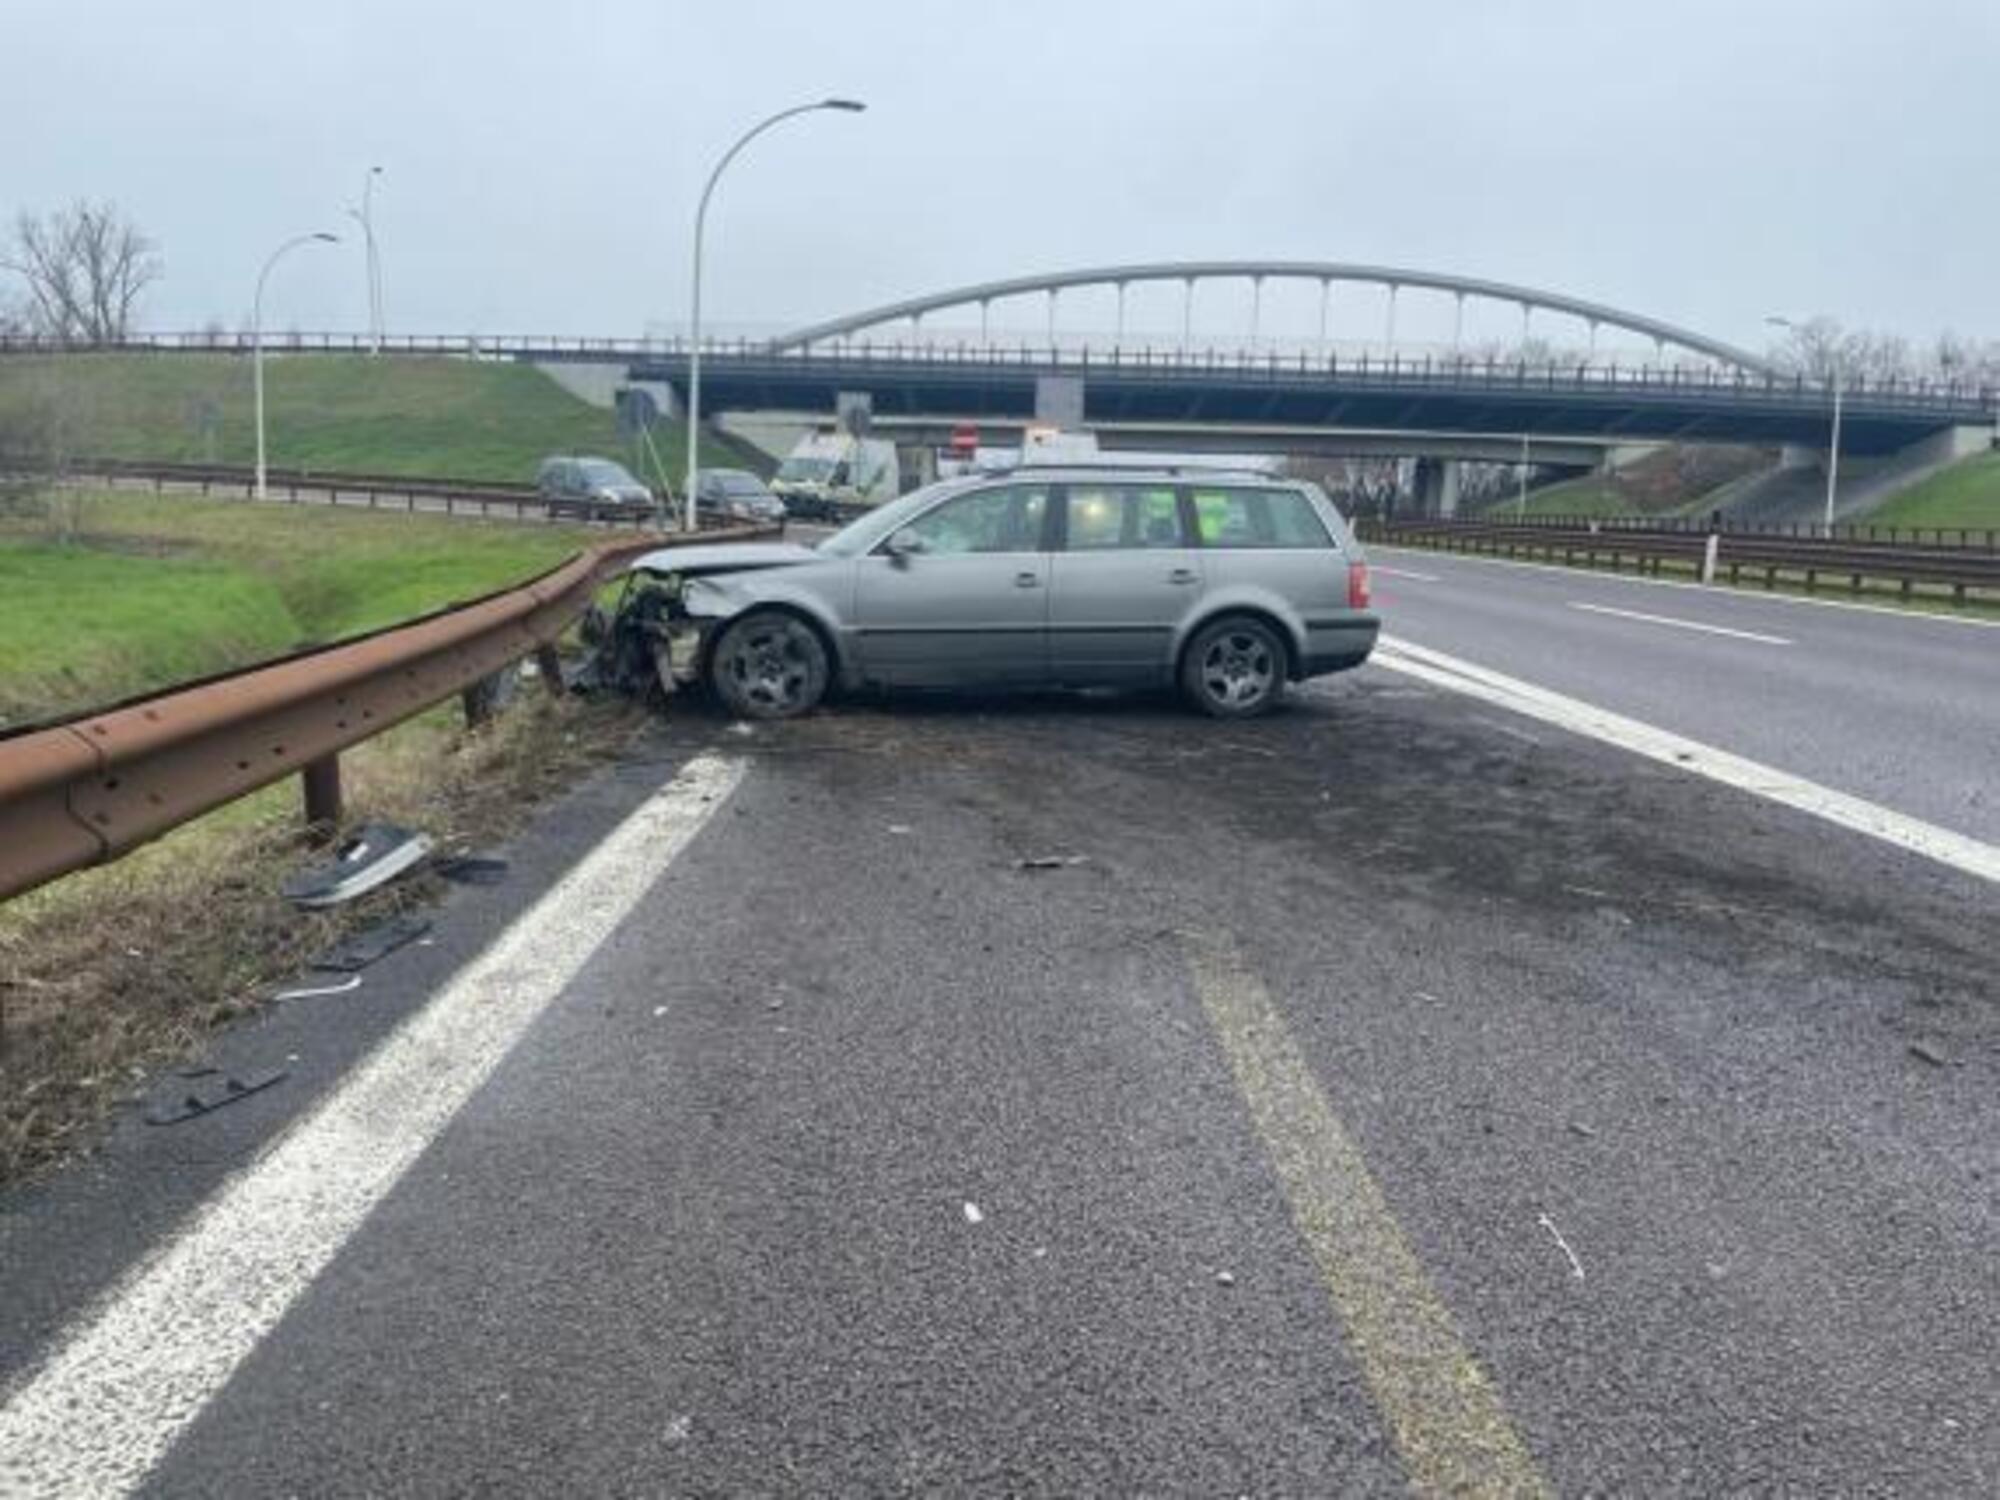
(1027, 580)
(1182, 575)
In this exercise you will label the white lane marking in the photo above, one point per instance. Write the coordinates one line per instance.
(1403, 573)
(1913, 834)
(1727, 591)
(1633, 614)
(121, 1385)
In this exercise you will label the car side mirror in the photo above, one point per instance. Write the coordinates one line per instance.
(904, 545)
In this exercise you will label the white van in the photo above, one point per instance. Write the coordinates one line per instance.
(828, 470)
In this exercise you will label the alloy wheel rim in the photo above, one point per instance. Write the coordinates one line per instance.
(1237, 669)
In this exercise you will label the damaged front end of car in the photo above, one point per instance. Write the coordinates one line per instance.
(653, 641)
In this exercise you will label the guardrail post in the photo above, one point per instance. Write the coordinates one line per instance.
(1708, 558)
(548, 662)
(480, 699)
(321, 781)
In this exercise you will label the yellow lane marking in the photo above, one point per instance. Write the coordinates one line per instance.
(1445, 1417)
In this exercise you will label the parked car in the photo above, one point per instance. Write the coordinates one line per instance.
(594, 488)
(737, 496)
(1230, 586)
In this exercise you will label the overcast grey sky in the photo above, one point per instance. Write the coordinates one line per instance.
(1702, 162)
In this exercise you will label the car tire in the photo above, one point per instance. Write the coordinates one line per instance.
(769, 665)
(1234, 668)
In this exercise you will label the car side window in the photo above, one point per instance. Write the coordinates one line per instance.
(1229, 517)
(1008, 519)
(1104, 517)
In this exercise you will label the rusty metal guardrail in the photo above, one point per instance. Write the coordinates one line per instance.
(1960, 569)
(89, 789)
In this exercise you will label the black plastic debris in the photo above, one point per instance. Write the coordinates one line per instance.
(630, 652)
(207, 1097)
(1049, 862)
(471, 869)
(364, 948)
(376, 854)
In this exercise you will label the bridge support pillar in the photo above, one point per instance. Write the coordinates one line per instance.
(1437, 487)
(1059, 399)
(854, 412)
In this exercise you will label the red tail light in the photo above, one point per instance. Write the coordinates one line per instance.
(1357, 585)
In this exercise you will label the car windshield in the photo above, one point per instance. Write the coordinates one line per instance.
(857, 536)
(740, 484)
(603, 471)
(810, 470)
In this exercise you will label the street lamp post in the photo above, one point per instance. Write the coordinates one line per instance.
(1833, 442)
(365, 217)
(257, 340)
(694, 321)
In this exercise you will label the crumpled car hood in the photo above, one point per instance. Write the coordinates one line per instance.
(723, 557)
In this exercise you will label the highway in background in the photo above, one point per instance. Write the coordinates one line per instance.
(1894, 706)
(1067, 1095)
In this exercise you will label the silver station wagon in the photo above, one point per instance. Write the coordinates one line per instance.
(1228, 586)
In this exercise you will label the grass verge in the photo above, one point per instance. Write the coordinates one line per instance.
(116, 594)
(113, 973)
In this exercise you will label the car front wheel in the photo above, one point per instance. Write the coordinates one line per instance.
(769, 665)
(1234, 668)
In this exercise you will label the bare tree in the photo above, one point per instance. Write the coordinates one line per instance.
(84, 268)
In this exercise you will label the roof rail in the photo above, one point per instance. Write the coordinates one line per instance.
(1177, 468)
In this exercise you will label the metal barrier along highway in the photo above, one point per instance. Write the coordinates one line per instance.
(484, 495)
(94, 787)
(1958, 568)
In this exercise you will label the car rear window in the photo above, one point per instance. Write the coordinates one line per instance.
(1230, 517)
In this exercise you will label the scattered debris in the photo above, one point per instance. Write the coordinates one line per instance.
(1575, 1265)
(376, 854)
(1927, 1053)
(677, 1431)
(351, 982)
(471, 869)
(1577, 1127)
(973, 1215)
(1225, 1278)
(365, 947)
(212, 1097)
(742, 729)
(1589, 891)
(658, 1011)
(901, 829)
(1049, 862)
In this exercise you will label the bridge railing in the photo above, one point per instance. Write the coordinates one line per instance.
(1972, 402)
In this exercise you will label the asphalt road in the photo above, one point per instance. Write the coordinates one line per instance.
(1894, 706)
(1387, 1094)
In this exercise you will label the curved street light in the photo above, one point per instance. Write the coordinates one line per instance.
(1833, 445)
(365, 217)
(852, 106)
(257, 338)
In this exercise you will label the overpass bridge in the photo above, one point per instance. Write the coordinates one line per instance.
(1578, 380)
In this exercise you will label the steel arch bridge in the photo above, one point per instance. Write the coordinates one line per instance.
(1327, 274)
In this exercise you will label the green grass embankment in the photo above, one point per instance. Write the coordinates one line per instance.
(152, 591)
(1965, 494)
(448, 418)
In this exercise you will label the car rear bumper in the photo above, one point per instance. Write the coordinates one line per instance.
(1337, 644)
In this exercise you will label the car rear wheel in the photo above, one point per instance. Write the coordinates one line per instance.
(769, 665)
(1234, 668)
